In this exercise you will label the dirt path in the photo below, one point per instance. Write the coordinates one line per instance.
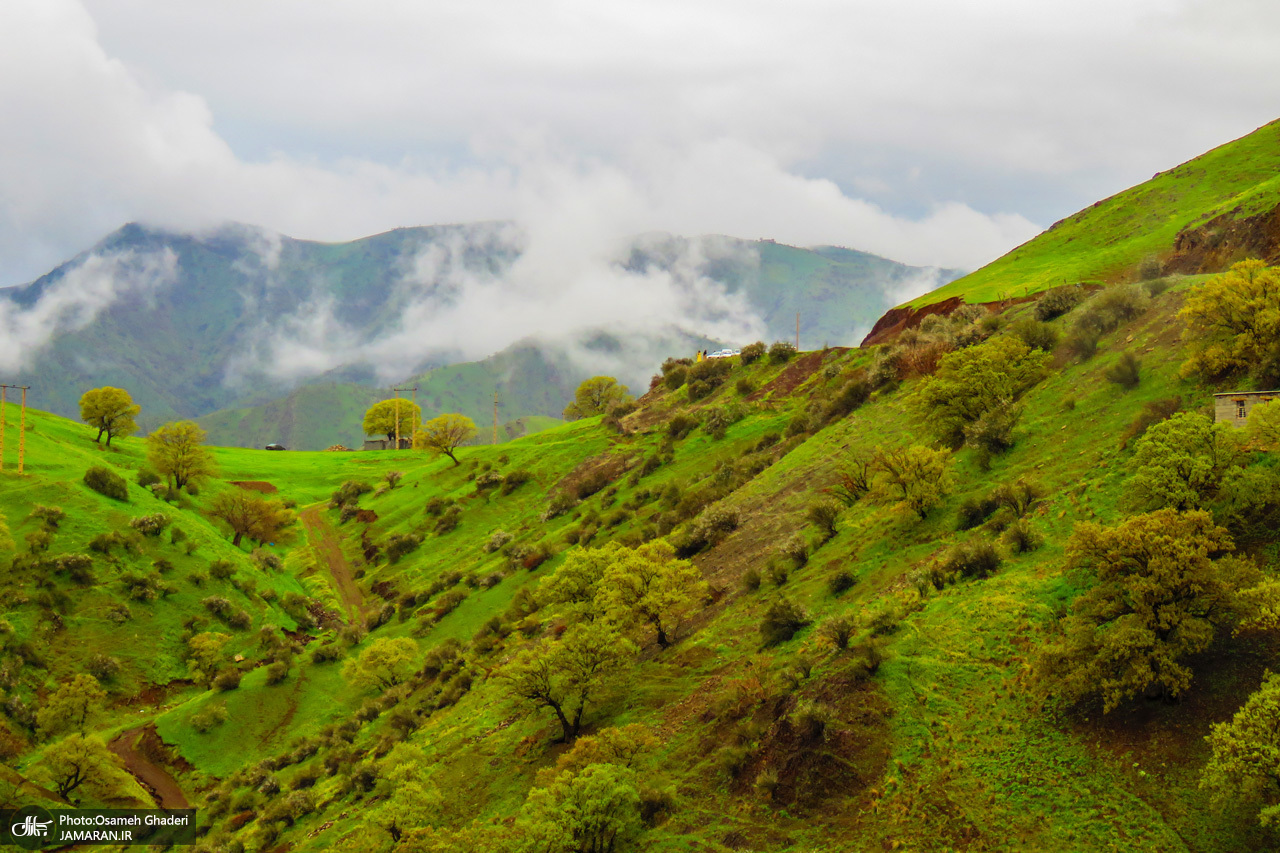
(325, 540)
(163, 787)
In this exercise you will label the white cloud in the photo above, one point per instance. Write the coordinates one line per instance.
(73, 301)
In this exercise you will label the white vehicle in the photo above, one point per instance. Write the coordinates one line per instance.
(724, 353)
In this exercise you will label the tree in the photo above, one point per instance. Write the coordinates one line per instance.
(1246, 753)
(248, 513)
(385, 663)
(110, 410)
(971, 382)
(1263, 426)
(1233, 323)
(409, 799)
(915, 477)
(650, 586)
(595, 810)
(176, 451)
(565, 676)
(204, 654)
(445, 434)
(380, 419)
(76, 760)
(1181, 462)
(1163, 586)
(595, 396)
(72, 706)
(577, 581)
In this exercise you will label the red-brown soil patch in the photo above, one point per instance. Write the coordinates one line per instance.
(255, 486)
(143, 753)
(796, 373)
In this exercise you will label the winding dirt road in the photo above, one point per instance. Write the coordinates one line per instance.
(163, 787)
(328, 546)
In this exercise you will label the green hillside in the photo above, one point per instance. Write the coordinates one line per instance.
(1109, 240)
(901, 710)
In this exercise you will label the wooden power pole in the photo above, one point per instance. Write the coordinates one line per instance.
(22, 425)
(414, 400)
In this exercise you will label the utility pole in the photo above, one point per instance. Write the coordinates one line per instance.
(413, 400)
(495, 416)
(22, 425)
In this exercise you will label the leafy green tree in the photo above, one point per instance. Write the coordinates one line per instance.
(409, 799)
(620, 745)
(204, 654)
(971, 382)
(445, 434)
(650, 586)
(1246, 753)
(1163, 586)
(77, 760)
(1181, 462)
(915, 477)
(380, 419)
(595, 810)
(385, 663)
(566, 676)
(595, 396)
(177, 452)
(1233, 323)
(1263, 426)
(111, 411)
(577, 581)
(72, 706)
(250, 514)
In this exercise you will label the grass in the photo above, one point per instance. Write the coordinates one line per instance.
(1107, 241)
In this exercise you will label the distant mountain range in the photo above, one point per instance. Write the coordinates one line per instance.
(266, 338)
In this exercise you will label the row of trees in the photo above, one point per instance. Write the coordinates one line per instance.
(442, 435)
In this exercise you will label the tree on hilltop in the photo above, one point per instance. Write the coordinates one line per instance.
(445, 434)
(595, 396)
(177, 452)
(111, 411)
(380, 419)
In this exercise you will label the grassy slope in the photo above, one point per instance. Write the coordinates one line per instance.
(949, 750)
(1107, 240)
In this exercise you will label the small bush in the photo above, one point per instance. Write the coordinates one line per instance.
(1157, 286)
(266, 560)
(1021, 537)
(838, 630)
(104, 481)
(393, 478)
(744, 386)
(104, 668)
(448, 521)
(222, 570)
(1035, 334)
(769, 439)
(211, 717)
(277, 672)
(751, 580)
(228, 679)
(326, 653)
(676, 377)
(824, 515)
(348, 493)
(1081, 344)
(781, 352)
(496, 540)
(400, 544)
(488, 480)
(147, 478)
(681, 425)
(796, 549)
(973, 511)
(752, 352)
(1054, 303)
(436, 506)
(841, 582)
(799, 424)
(972, 559)
(514, 480)
(854, 393)
(779, 572)
(49, 516)
(781, 622)
(1126, 372)
(560, 503)
(150, 525)
(810, 721)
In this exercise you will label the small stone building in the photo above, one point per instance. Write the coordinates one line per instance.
(406, 443)
(1234, 408)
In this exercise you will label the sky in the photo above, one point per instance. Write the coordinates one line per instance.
(935, 132)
